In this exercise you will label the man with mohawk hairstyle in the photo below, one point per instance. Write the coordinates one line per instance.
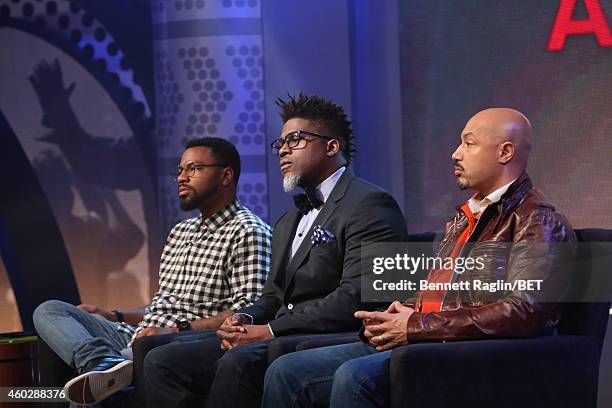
(314, 281)
(505, 212)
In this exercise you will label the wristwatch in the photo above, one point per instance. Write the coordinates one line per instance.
(118, 315)
(183, 325)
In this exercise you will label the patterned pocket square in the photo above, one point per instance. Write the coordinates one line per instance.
(321, 236)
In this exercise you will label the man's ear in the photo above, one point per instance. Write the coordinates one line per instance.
(506, 152)
(333, 147)
(228, 176)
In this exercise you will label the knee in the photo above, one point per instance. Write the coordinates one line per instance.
(285, 370)
(156, 361)
(348, 375)
(232, 361)
(278, 371)
(158, 369)
(49, 307)
(361, 380)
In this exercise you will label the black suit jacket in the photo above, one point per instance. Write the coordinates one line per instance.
(319, 289)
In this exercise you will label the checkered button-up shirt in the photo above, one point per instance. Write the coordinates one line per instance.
(208, 266)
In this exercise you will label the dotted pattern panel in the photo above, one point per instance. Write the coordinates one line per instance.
(214, 90)
(164, 10)
(247, 63)
(211, 86)
(253, 192)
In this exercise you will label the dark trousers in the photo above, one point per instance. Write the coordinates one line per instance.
(196, 372)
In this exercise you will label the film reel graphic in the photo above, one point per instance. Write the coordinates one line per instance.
(67, 26)
(70, 28)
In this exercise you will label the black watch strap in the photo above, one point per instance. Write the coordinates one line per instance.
(118, 314)
(183, 325)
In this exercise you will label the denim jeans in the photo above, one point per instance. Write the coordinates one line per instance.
(347, 375)
(76, 336)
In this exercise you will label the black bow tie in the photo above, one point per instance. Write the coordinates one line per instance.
(306, 202)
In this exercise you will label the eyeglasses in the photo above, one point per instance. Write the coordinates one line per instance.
(295, 140)
(191, 169)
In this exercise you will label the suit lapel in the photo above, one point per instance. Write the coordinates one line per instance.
(285, 239)
(328, 209)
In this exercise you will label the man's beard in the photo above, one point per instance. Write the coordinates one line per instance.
(463, 184)
(189, 203)
(290, 182)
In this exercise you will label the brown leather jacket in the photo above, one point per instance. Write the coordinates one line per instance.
(513, 237)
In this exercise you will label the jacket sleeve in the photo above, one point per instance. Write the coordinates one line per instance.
(376, 218)
(264, 309)
(536, 254)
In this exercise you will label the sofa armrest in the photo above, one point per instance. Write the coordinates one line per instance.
(541, 372)
(52, 370)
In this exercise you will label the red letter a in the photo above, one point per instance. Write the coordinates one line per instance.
(564, 26)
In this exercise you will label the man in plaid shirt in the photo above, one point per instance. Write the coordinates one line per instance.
(211, 266)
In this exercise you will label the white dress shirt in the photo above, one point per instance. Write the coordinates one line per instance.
(323, 191)
(478, 206)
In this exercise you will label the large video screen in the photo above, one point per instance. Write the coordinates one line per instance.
(549, 59)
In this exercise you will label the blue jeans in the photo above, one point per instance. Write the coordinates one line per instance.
(348, 375)
(76, 336)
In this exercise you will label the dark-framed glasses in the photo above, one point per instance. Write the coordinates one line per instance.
(295, 140)
(192, 168)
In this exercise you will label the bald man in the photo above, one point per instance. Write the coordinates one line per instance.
(491, 160)
(495, 144)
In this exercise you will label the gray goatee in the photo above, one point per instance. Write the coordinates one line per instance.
(290, 182)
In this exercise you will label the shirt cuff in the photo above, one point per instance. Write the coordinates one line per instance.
(247, 315)
(271, 332)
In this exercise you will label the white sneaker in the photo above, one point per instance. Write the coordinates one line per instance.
(94, 386)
